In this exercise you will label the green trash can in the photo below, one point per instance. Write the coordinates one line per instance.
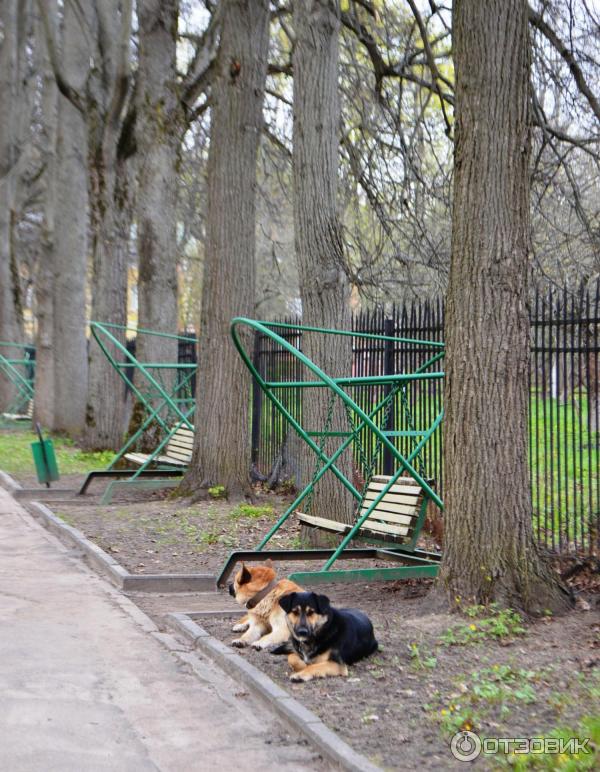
(44, 459)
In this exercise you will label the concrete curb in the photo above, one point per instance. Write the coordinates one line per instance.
(50, 493)
(108, 566)
(288, 708)
(10, 484)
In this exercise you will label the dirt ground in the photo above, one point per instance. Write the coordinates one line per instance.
(400, 707)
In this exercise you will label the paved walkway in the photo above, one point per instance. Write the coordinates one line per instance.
(87, 686)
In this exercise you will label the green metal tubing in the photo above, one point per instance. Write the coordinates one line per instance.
(350, 333)
(366, 422)
(155, 333)
(310, 578)
(334, 386)
(329, 464)
(112, 487)
(420, 520)
(23, 385)
(97, 328)
(151, 416)
(363, 380)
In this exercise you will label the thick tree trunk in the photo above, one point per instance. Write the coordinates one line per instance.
(221, 451)
(10, 300)
(109, 148)
(159, 129)
(111, 217)
(324, 287)
(490, 554)
(61, 374)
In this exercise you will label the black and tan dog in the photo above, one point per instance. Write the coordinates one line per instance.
(325, 640)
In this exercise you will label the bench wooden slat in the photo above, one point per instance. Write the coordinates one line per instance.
(178, 442)
(394, 498)
(376, 485)
(391, 506)
(184, 457)
(373, 526)
(389, 517)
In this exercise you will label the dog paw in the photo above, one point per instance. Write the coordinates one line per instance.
(241, 628)
(239, 643)
(299, 677)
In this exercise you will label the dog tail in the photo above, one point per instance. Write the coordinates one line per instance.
(283, 648)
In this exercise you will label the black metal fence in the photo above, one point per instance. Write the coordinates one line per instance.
(564, 405)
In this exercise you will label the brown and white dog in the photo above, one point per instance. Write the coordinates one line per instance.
(258, 589)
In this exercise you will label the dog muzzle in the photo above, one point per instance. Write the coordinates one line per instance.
(231, 590)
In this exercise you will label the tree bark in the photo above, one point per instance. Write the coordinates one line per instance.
(159, 128)
(10, 300)
(221, 450)
(61, 367)
(110, 145)
(324, 288)
(490, 554)
(112, 215)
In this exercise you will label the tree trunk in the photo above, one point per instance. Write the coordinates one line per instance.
(10, 299)
(221, 451)
(490, 554)
(111, 217)
(110, 144)
(61, 367)
(324, 287)
(159, 128)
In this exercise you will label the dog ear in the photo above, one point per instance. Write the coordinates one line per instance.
(323, 605)
(287, 601)
(245, 575)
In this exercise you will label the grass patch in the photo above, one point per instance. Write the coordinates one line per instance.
(16, 457)
(487, 623)
(250, 511)
(588, 728)
(487, 694)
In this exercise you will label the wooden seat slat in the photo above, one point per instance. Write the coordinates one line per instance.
(393, 498)
(389, 517)
(185, 457)
(333, 525)
(180, 446)
(376, 485)
(391, 506)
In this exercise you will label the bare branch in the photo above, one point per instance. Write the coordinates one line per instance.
(550, 34)
(65, 88)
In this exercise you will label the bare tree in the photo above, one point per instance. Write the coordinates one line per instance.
(229, 269)
(490, 553)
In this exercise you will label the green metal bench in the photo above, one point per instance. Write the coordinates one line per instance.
(165, 392)
(390, 509)
(17, 366)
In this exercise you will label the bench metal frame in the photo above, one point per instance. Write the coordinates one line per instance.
(409, 561)
(161, 406)
(14, 358)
